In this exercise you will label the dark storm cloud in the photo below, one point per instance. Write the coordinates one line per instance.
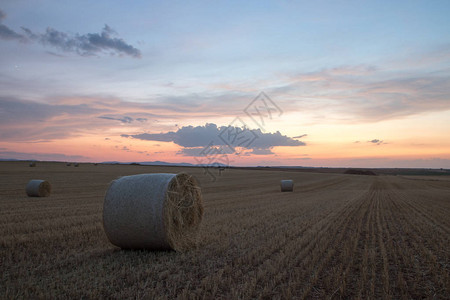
(86, 44)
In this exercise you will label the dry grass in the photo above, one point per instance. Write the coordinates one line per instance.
(335, 236)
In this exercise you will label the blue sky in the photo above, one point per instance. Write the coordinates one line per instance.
(327, 63)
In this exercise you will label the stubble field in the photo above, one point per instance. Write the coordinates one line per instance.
(336, 236)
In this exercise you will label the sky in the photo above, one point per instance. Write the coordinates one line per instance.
(245, 83)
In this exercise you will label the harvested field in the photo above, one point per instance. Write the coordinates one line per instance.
(335, 236)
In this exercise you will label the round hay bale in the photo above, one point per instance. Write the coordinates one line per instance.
(68, 164)
(76, 165)
(32, 164)
(287, 185)
(153, 211)
(38, 188)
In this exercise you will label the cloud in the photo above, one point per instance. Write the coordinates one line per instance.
(161, 137)
(262, 151)
(85, 45)
(376, 141)
(371, 93)
(210, 137)
(7, 33)
(54, 54)
(202, 151)
(27, 120)
(55, 118)
(300, 136)
(123, 119)
(23, 120)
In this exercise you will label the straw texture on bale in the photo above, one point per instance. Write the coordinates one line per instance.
(287, 185)
(38, 188)
(153, 211)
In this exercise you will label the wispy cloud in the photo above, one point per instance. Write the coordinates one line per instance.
(23, 120)
(123, 119)
(61, 118)
(370, 93)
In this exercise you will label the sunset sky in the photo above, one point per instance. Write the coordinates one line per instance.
(315, 83)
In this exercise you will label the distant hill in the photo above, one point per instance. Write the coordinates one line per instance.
(360, 172)
(150, 163)
(163, 163)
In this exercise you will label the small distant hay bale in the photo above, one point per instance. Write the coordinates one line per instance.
(153, 211)
(32, 164)
(76, 165)
(38, 188)
(287, 185)
(68, 164)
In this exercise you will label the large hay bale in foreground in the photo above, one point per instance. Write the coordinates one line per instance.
(287, 185)
(153, 211)
(38, 188)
